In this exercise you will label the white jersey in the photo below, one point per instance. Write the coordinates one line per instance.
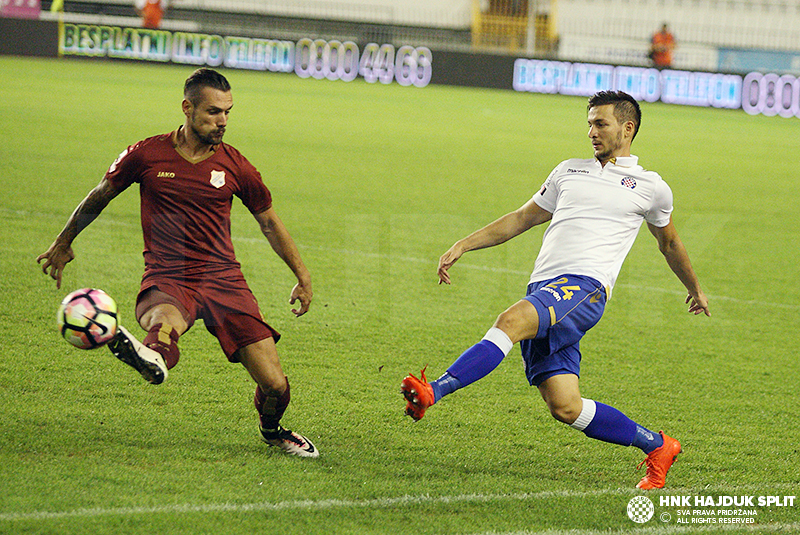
(597, 212)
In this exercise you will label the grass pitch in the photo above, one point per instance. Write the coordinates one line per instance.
(375, 182)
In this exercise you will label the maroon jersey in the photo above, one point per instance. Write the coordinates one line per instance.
(185, 206)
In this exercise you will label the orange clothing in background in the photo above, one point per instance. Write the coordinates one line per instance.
(151, 11)
(662, 45)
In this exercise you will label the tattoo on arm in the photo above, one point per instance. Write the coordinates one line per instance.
(88, 210)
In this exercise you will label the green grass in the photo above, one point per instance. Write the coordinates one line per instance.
(375, 182)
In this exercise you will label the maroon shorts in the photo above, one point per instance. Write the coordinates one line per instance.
(223, 301)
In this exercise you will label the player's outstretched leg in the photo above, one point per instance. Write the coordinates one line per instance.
(132, 352)
(658, 463)
(474, 364)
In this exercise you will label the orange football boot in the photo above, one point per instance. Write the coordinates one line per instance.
(658, 463)
(418, 393)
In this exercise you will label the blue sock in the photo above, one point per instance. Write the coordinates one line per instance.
(446, 384)
(646, 440)
(608, 424)
(474, 364)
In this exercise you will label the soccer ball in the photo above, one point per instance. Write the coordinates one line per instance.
(87, 318)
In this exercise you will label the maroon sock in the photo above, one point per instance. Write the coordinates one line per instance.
(271, 407)
(165, 342)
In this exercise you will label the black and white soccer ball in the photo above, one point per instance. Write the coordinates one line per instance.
(87, 318)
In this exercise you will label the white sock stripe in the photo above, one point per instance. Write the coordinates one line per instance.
(500, 339)
(586, 416)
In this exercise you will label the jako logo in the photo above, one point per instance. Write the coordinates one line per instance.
(165, 174)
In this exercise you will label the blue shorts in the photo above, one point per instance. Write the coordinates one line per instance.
(568, 306)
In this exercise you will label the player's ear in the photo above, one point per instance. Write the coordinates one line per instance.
(630, 129)
(187, 107)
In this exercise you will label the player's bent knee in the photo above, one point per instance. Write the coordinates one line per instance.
(520, 322)
(566, 413)
(165, 314)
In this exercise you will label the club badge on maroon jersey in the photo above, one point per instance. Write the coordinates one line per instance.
(217, 179)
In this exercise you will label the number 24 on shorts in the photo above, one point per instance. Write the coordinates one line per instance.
(568, 291)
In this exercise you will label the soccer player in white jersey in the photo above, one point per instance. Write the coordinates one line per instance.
(595, 208)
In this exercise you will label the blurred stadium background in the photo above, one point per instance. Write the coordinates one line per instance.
(709, 32)
(736, 54)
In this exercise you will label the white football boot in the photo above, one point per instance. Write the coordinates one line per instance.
(290, 442)
(137, 355)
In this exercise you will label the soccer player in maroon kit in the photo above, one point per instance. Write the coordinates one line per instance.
(187, 180)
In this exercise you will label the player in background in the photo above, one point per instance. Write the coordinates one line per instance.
(187, 181)
(662, 45)
(151, 11)
(595, 208)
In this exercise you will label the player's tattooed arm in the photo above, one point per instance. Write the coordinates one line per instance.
(60, 252)
(88, 210)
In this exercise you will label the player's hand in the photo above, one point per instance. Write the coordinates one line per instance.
(446, 261)
(301, 292)
(55, 259)
(698, 304)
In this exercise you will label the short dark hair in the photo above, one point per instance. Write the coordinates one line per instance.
(625, 107)
(203, 78)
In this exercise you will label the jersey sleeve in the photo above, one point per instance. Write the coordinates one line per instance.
(252, 191)
(126, 168)
(548, 194)
(661, 209)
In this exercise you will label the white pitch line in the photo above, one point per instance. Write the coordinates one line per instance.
(376, 503)
(665, 529)
(294, 505)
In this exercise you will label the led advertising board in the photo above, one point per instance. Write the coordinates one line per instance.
(308, 58)
(755, 93)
